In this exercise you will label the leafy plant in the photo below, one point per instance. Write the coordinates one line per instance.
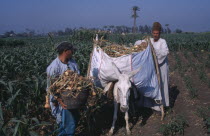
(204, 113)
(175, 126)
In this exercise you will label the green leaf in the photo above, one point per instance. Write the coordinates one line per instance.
(2, 82)
(36, 120)
(16, 129)
(45, 123)
(16, 121)
(10, 100)
(1, 113)
(32, 133)
(10, 88)
(208, 130)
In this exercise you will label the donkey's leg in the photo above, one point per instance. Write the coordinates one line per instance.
(114, 118)
(162, 111)
(127, 123)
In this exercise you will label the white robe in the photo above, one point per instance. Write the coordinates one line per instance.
(161, 50)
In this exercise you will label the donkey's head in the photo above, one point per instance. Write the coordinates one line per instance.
(124, 86)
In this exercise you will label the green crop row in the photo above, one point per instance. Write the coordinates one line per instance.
(11, 43)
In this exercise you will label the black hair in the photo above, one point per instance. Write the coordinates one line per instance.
(64, 46)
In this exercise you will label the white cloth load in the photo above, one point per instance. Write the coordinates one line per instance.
(145, 80)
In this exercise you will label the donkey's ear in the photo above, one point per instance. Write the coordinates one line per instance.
(116, 70)
(132, 73)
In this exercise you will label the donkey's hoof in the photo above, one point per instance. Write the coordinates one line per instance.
(128, 132)
(110, 133)
(162, 117)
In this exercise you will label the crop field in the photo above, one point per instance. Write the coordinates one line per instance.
(23, 63)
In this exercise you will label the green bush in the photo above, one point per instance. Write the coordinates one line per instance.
(175, 126)
(204, 113)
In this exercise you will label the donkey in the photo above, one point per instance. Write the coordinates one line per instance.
(121, 94)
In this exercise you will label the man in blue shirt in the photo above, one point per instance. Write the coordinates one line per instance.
(67, 119)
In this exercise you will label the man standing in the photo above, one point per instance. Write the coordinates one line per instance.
(161, 50)
(67, 119)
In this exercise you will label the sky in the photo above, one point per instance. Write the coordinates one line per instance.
(51, 15)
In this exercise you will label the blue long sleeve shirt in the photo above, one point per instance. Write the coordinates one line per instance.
(55, 69)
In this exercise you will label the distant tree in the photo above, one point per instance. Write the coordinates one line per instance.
(123, 28)
(60, 32)
(68, 31)
(128, 29)
(119, 29)
(30, 32)
(165, 31)
(134, 16)
(178, 31)
(162, 30)
(112, 27)
(168, 30)
(150, 29)
(146, 29)
(82, 28)
(24, 34)
(105, 27)
(53, 33)
(141, 29)
(9, 33)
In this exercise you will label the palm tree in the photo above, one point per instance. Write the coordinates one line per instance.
(105, 27)
(135, 9)
(112, 27)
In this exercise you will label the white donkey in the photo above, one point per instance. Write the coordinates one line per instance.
(121, 95)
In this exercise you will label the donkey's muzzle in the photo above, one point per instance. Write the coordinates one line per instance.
(124, 108)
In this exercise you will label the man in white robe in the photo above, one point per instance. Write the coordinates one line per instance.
(161, 50)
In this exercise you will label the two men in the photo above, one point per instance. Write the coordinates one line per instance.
(161, 50)
(67, 119)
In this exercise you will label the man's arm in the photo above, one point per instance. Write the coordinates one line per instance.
(55, 99)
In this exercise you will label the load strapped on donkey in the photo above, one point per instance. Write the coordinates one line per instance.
(128, 59)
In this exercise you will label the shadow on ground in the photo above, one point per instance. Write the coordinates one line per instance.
(101, 121)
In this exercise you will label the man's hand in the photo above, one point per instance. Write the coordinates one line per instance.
(62, 104)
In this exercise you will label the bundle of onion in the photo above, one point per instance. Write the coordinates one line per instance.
(116, 50)
(70, 85)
